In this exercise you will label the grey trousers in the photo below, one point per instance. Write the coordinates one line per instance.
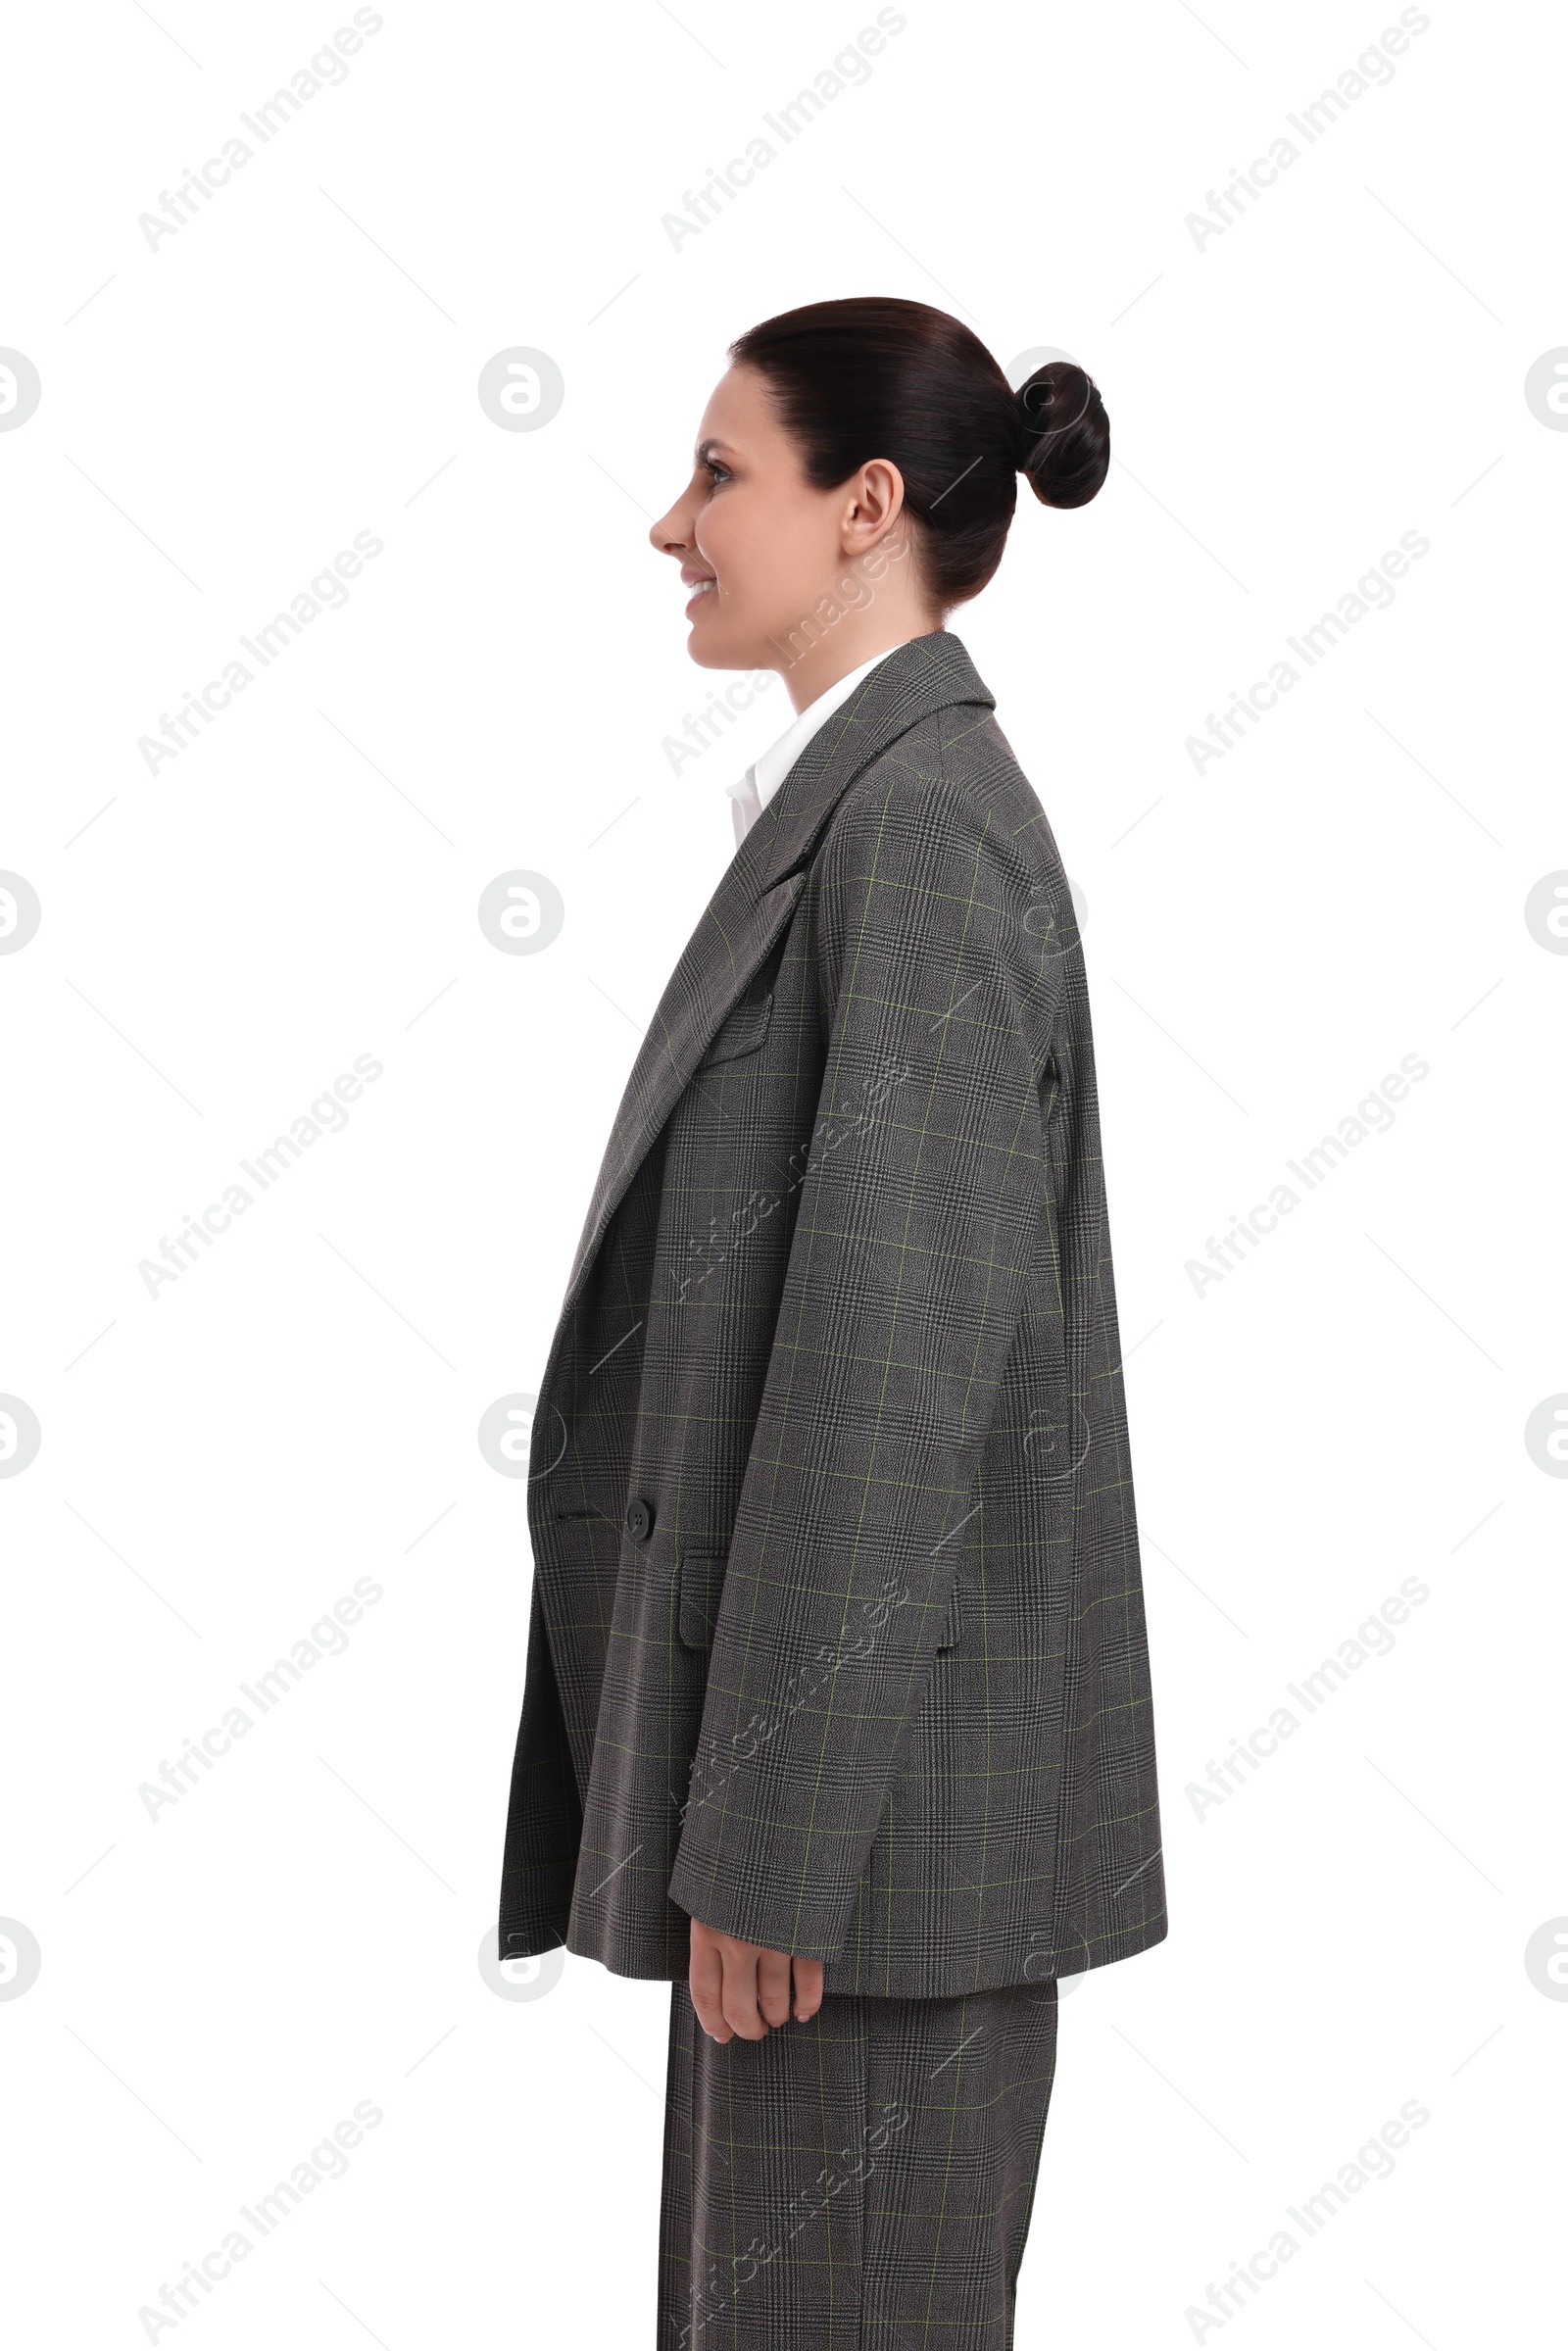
(861, 2180)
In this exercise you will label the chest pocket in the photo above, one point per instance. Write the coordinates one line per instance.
(743, 1033)
(701, 1579)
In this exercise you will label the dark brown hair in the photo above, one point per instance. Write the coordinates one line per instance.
(878, 377)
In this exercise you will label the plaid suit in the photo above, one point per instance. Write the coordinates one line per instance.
(864, 2180)
(837, 1636)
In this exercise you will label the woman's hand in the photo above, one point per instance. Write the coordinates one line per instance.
(741, 1988)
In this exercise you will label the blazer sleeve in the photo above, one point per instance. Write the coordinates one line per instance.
(919, 1212)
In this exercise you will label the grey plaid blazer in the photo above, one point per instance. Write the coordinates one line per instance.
(837, 1637)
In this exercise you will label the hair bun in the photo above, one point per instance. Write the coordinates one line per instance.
(1064, 434)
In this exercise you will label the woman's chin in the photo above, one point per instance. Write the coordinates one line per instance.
(709, 648)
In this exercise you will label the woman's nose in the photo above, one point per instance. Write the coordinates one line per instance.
(671, 533)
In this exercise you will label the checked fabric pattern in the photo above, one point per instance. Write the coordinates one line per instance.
(862, 2179)
(837, 1636)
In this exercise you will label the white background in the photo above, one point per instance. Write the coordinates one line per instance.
(222, 1984)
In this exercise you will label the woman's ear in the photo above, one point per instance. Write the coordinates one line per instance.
(872, 508)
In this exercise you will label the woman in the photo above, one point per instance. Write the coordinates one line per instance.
(837, 1704)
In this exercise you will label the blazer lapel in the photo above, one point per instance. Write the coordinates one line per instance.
(927, 675)
(754, 901)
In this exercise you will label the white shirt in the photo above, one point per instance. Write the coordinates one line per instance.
(757, 787)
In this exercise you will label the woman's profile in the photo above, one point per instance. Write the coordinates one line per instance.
(837, 1713)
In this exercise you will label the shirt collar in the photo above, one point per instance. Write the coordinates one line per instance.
(765, 774)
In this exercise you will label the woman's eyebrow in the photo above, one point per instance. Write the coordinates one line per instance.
(707, 449)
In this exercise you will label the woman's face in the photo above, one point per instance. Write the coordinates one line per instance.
(757, 547)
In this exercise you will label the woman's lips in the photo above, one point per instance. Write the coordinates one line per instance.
(703, 588)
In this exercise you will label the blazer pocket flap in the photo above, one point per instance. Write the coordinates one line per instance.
(742, 1033)
(700, 1578)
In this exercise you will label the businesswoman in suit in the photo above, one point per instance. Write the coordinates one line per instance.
(837, 1713)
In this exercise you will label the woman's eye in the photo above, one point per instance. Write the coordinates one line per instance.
(716, 472)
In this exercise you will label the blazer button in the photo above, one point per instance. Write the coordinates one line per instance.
(640, 1519)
